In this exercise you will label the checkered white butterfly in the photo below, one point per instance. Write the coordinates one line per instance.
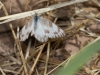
(41, 28)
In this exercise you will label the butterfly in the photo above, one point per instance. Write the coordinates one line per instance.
(41, 28)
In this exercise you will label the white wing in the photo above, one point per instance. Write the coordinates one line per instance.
(39, 33)
(26, 30)
(46, 29)
(51, 30)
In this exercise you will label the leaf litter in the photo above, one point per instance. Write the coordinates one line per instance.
(34, 58)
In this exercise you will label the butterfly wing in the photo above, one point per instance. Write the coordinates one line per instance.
(46, 29)
(51, 30)
(39, 32)
(26, 30)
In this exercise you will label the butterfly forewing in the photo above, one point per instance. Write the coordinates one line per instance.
(51, 30)
(26, 30)
(40, 33)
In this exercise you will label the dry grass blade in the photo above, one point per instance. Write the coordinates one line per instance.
(36, 68)
(32, 69)
(97, 2)
(17, 42)
(28, 1)
(57, 67)
(66, 61)
(39, 11)
(28, 49)
(1, 5)
(18, 32)
(10, 57)
(90, 17)
(90, 33)
(32, 57)
(9, 64)
(14, 72)
(37, 72)
(19, 70)
(2, 71)
(14, 59)
(26, 62)
(57, 43)
(77, 27)
(22, 56)
(48, 52)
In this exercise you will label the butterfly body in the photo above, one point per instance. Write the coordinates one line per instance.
(41, 28)
(35, 19)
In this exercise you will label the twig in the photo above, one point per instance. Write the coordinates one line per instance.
(39, 11)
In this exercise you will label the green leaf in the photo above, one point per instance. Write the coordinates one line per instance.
(80, 58)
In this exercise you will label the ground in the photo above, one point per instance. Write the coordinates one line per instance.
(79, 23)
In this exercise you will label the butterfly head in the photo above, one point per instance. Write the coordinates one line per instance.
(36, 15)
